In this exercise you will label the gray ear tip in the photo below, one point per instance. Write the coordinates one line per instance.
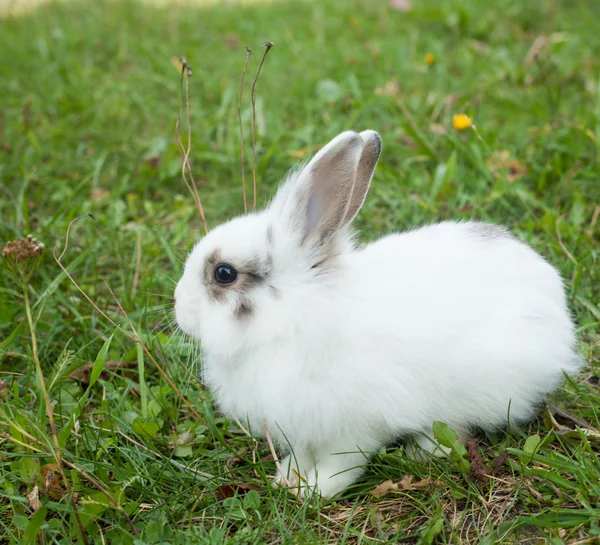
(346, 139)
(372, 138)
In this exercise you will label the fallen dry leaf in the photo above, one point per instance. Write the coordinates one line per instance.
(34, 499)
(565, 423)
(479, 470)
(501, 161)
(569, 419)
(383, 488)
(403, 484)
(52, 485)
(499, 460)
(229, 490)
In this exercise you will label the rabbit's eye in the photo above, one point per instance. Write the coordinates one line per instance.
(225, 274)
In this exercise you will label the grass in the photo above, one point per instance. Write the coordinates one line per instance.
(88, 101)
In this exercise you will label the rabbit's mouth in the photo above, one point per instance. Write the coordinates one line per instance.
(186, 313)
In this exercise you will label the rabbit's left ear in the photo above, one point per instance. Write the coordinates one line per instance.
(364, 173)
(331, 188)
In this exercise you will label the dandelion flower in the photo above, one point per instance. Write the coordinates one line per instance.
(462, 122)
(429, 59)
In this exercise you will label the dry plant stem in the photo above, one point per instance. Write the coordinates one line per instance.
(69, 231)
(138, 263)
(72, 466)
(268, 47)
(56, 450)
(134, 338)
(185, 153)
(161, 457)
(480, 138)
(560, 240)
(104, 491)
(274, 454)
(248, 53)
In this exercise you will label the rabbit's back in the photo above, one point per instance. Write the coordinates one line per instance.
(473, 319)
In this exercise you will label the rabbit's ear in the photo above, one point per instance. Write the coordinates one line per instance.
(325, 188)
(364, 173)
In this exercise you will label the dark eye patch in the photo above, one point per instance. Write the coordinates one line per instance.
(222, 278)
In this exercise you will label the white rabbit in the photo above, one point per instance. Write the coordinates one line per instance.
(339, 350)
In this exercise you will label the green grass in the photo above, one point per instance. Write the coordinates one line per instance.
(88, 101)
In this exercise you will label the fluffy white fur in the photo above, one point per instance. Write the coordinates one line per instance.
(348, 349)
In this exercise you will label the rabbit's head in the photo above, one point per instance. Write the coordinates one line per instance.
(247, 279)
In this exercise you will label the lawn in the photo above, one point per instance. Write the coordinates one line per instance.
(89, 97)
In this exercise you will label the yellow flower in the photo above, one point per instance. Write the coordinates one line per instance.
(429, 59)
(462, 122)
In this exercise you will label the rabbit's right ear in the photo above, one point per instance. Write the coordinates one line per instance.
(364, 174)
(319, 199)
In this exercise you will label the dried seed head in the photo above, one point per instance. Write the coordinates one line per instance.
(22, 249)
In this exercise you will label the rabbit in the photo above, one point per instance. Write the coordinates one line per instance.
(338, 350)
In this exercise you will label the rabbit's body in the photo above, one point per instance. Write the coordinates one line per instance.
(458, 322)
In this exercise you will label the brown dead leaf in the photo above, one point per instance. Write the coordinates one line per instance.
(229, 490)
(565, 423)
(52, 485)
(34, 499)
(479, 470)
(569, 419)
(502, 162)
(403, 484)
(383, 488)
(499, 461)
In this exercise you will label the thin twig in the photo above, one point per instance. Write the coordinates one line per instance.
(69, 230)
(560, 240)
(248, 53)
(274, 454)
(104, 491)
(186, 72)
(268, 47)
(161, 457)
(134, 337)
(138, 263)
(50, 415)
(72, 466)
